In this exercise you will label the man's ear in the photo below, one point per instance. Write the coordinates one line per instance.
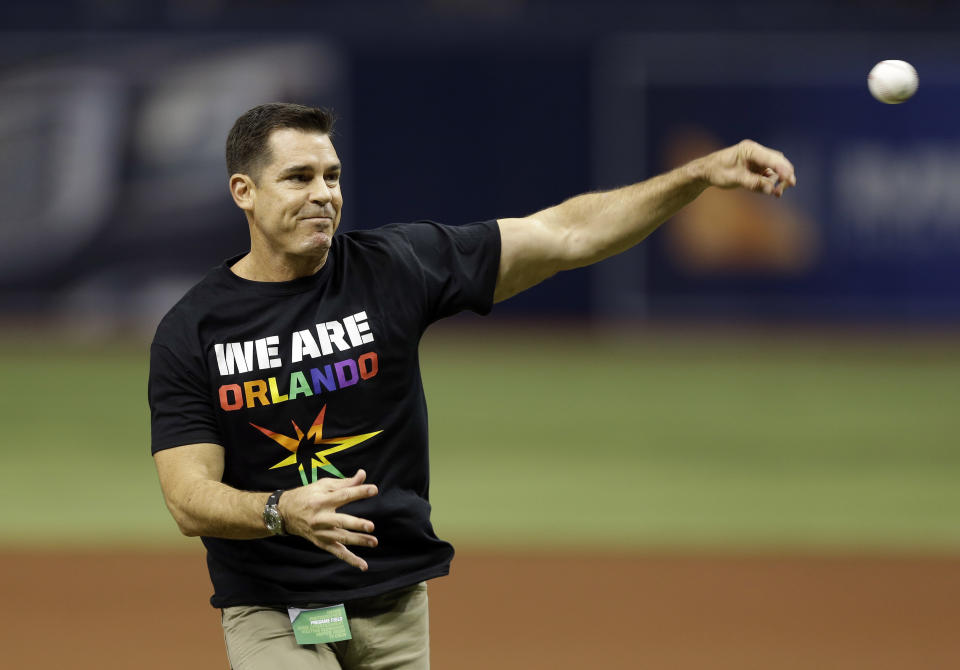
(243, 191)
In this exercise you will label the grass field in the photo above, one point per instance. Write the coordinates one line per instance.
(746, 441)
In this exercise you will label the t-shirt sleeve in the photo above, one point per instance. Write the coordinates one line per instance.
(458, 265)
(180, 408)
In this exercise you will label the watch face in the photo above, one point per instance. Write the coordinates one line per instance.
(273, 520)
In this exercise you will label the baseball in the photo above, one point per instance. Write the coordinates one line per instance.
(892, 81)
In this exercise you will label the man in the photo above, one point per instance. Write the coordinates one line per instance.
(301, 356)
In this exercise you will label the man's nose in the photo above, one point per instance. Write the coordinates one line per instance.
(320, 192)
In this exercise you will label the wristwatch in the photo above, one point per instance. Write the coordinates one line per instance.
(271, 515)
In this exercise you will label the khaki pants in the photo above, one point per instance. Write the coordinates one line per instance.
(389, 631)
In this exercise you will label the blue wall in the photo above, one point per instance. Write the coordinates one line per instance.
(112, 122)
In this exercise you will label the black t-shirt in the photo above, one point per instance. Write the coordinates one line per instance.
(319, 377)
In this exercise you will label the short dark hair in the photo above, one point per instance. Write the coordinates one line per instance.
(247, 147)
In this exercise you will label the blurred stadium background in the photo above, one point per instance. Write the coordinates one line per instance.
(758, 376)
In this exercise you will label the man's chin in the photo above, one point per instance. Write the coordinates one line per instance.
(316, 247)
(318, 242)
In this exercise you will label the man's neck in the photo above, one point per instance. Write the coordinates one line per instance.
(255, 268)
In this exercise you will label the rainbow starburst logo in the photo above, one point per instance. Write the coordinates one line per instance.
(307, 457)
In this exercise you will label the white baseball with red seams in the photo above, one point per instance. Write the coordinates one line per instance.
(892, 81)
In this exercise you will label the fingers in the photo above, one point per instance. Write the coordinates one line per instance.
(345, 522)
(345, 555)
(770, 183)
(320, 513)
(326, 495)
(352, 494)
(770, 171)
(339, 492)
(334, 532)
(336, 540)
(345, 537)
(311, 512)
(326, 521)
(333, 484)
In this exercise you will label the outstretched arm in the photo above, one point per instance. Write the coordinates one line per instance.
(593, 226)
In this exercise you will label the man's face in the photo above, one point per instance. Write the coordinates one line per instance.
(296, 200)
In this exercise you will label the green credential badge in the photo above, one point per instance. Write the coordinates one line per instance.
(319, 626)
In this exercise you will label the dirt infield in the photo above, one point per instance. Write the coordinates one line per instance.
(147, 611)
